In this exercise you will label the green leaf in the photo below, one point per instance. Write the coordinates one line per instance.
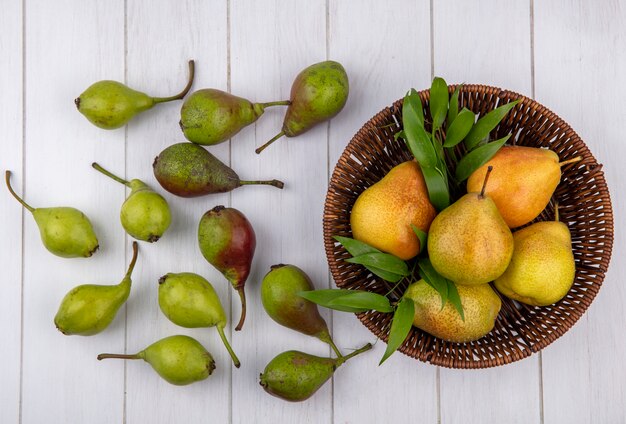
(432, 277)
(363, 300)
(417, 139)
(384, 261)
(453, 297)
(453, 108)
(486, 124)
(324, 297)
(412, 99)
(459, 129)
(385, 275)
(438, 102)
(355, 247)
(437, 188)
(421, 236)
(399, 134)
(477, 158)
(400, 326)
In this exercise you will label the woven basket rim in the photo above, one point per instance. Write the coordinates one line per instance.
(511, 355)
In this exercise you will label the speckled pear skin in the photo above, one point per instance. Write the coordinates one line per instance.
(90, 308)
(481, 306)
(281, 302)
(318, 93)
(521, 183)
(295, 376)
(145, 214)
(469, 242)
(382, 215)
(190, 301)
(188, 170)
(66, 232)
(180, 360)
(211, 116)
(111, 104)
(542, 270)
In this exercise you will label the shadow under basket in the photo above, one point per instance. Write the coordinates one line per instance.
(584, 205)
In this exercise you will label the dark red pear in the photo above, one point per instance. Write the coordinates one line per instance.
(227, 241)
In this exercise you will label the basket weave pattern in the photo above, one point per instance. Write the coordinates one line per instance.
(584, 204)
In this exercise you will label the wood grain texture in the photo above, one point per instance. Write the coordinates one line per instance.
(579, 73)
(270, 43)
(10, 211)
(385, 54)
(512, 393)
(177, 31)
(62, 381)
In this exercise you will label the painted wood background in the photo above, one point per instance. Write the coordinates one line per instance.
(568, 54)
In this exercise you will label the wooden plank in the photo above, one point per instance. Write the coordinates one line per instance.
(496, 51)
(579, 75)
(385, 47)
(270, 43)
(69, 45)
(10, 211)
(178, 31)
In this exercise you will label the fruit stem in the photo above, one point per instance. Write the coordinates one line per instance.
(109, 174)
(275, 183)
(7, 178)
(279, 103)
(133, 261)
(353, 354)
(556, 211)
(192, 71)
(117, 356)
(573, 160)
(273, 139)
(242, 318)
(236, 362)
(482, 191)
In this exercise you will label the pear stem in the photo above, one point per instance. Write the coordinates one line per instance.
(117, 356)
(334, 347)
(7, 178)
(556, 211)
(242, 318)
(273, 139)
(275, 183)
(192, 71)
(236, 362)
(278, 103)
(133, 261)
(109, 174)
(482, 191)
(343, 359)
(573, 160)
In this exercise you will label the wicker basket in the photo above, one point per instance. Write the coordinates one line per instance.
(584, 203)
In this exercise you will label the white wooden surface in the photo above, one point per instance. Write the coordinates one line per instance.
(569, 54)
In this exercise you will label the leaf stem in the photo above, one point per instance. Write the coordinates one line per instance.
(7, 178)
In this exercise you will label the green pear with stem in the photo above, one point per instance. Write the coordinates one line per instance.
(279, 294)
(145, 214)
(65, 231)
(318, 93)
(180, 360)
(111, 104)
(90, 308)
(295, 376)
(211, 116)
(190, 301)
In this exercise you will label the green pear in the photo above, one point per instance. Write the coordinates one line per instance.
(212, 116)
(295, 376)
(318, 93)
(89, 309)
(111, 104)
(542, 270)
(469, 242)
(180, 360)
(65, 232)
(279, 294)
(190, 301)
(481, 306)
(145, 214)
